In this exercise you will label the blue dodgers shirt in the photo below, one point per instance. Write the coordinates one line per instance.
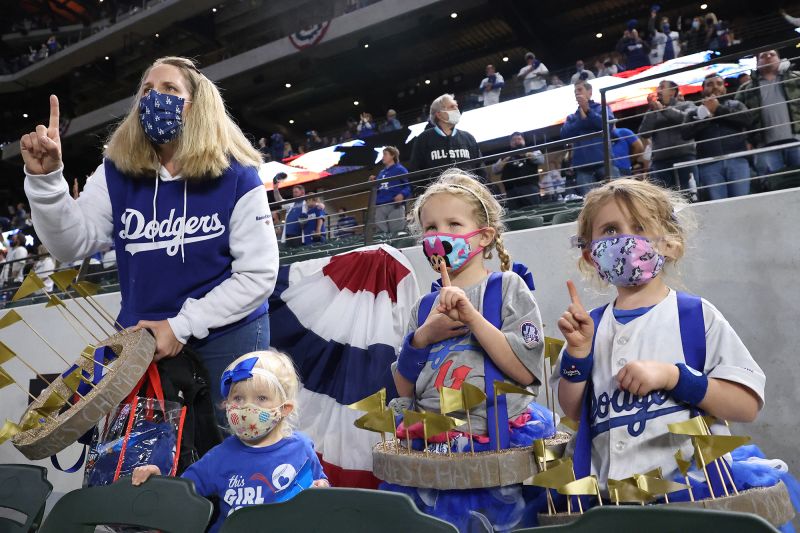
(242, 475)
(313, 214)
(144, 247)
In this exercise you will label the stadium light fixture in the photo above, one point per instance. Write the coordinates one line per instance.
(505, 59)
(599, 35)
(157, 36)
(291, 121)
(366, 45)
(427, 82)
(703, 6)
(288, 85)
(355, 102)
(453, 15)
(107, 58)
(213, 9)
(24, 115)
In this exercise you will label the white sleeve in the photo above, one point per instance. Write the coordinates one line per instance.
(254, 271)
(727, 357)
(70, 229)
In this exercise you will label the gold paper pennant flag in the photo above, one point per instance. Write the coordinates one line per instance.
(693, 426)
(5, 378)
(30, 284)
(555, 477)
(473, 396)
(373, 402)
(552, 349)
(12, 317)
(54, 301)
(580, 487)
(450, 400)
(569, 423)
(411, 417)
(683, 464)
(504, 387)
(542, 452)
(6, 353)
(52, 404)
(86, 288)
(8, 430)
(31, 420)
(377, 421)
(715, 446)
(624, 491)
(64, 278)
(657, 486)
(73, 379)
(436, 424)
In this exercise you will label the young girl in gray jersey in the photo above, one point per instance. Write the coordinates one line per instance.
(452, 341)
(653, 356)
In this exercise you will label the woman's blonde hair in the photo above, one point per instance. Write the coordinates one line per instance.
(486, 210)
(658, 210)
(280, 382)
(209, 137)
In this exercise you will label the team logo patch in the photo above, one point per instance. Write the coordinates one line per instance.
(530, 334)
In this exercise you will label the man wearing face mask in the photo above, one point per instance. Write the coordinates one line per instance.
(581, 73)
(666, 42)
(519, 173)
(441, 144)
(179, 197)
(714, 124)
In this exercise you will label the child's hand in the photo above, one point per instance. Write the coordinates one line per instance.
(453, 301)
(576, 325)
(436, 328)
(643, 377)
(143, 473)
(320, 483)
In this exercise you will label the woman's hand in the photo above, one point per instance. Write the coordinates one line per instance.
(143, 473)
(576, 325)
(166, 343)
(41, 149)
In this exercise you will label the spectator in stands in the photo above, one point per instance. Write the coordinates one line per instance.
(605, 67)
(391, 196)
(741, 79)
(587, 156)
(551, 182)
(665, 44)
(391, 124)
(15, 258)
(491, 86)
(714, 124)
(519, 173)
(345, 224)
(313, 140)
(44, 266)
(774, 94)
(263, 147)
(21, 217)
(627, 150)
(288, 151)
(314, 225)
(717, 33)
(366, 126)
(581, 73)
(635, 51)
(661, 125)
(276, 146)
(533, 75)
(696, 37)
(441, 143)
(294, 213)
(554, 82)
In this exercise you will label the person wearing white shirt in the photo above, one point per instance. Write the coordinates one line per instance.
(491, 86)
(533, 74)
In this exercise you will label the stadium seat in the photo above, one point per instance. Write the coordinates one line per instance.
(164, 503)
(531, 221)
(335, 510)
(565, 216)
(23, 492)
(661, 519)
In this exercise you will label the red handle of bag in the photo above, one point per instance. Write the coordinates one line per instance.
(153, 389)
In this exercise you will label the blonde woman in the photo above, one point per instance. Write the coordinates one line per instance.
(179, 197)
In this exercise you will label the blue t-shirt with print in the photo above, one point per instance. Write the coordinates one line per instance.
(310, 226)
(241, 475)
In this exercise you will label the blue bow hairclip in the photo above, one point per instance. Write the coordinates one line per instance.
(241, 372)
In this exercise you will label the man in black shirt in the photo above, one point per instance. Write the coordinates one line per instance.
(520, 174)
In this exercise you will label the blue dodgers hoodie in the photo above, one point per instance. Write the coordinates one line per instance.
(589, 151)
(389, 189)
(167, 257)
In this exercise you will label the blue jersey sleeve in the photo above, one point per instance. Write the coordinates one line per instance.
(316, 466)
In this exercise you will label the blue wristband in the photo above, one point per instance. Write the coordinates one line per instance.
(411, 360)
(692, 385)
(576, 369)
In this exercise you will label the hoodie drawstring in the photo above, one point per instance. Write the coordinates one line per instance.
(183, 226)
(155, 219)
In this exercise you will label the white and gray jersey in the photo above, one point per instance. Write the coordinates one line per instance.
(629, 433)
(454, 361)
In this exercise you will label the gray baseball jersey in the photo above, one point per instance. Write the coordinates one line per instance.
(453, 361)
(629, 433)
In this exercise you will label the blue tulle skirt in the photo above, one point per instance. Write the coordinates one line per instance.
(750, 469)
(490, 509)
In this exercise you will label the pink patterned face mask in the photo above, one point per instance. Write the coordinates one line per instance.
(453, 248)
(626, 260)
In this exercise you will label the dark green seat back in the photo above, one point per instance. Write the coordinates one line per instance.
(23, 490)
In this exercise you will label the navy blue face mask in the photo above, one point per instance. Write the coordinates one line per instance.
(161, 116)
